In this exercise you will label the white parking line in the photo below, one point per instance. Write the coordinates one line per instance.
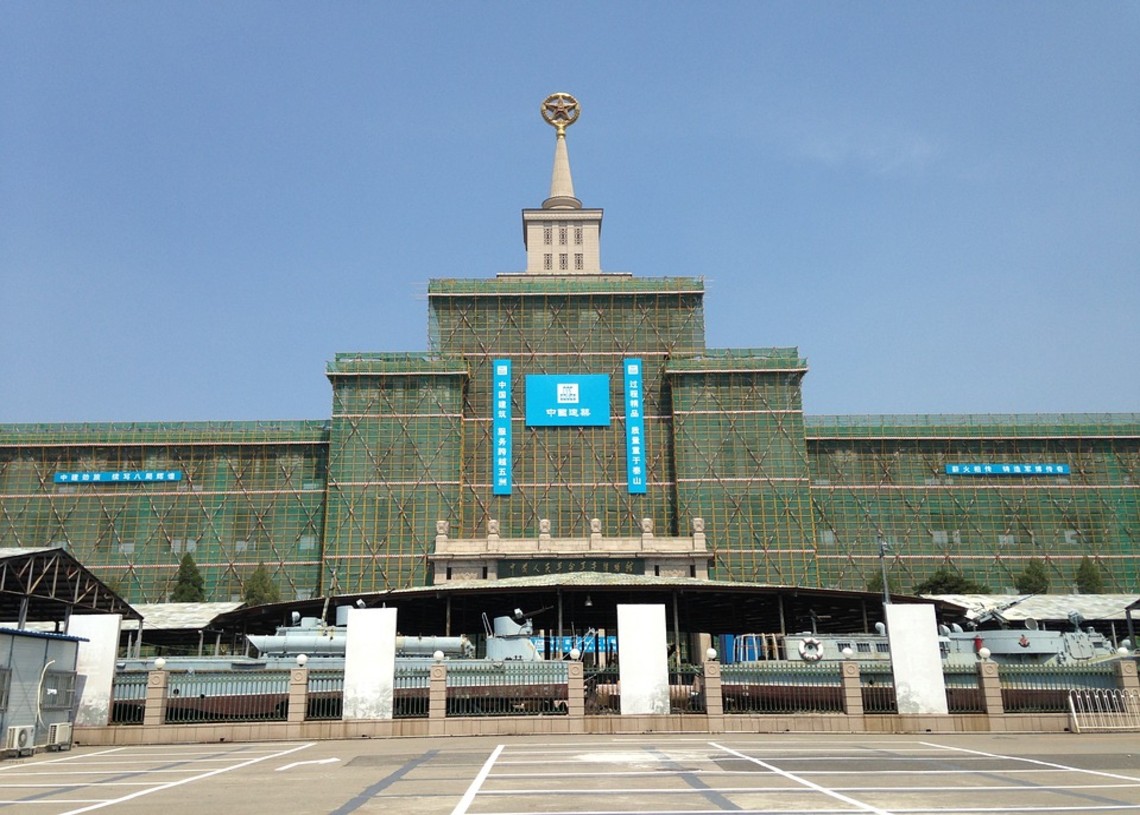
(1040, 763)
(469, 796)
(809, 784)
(199, 777)
(5, 768)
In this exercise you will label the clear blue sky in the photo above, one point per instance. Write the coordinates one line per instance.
(201, 203)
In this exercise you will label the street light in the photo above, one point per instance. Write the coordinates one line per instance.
(884, 547)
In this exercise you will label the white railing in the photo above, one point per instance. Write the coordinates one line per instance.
(1104, 709)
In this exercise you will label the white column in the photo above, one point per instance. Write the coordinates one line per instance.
(643, 659)
(916, 661)
(95, 662)
(369, 663)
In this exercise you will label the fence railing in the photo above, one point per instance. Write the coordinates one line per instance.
(782, 687)
(603, 691)
(128, 698)
(1045, 688)
(1104, 709)
(412, 686)
(508, 688)
(963, 693)
(685, 692)
(877, 687)
(461, 688)
(325, 695)
(227, 696)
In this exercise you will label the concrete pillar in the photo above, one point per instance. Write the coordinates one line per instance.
(852, 684)
(298, 694)
(989, 683)
(576, 695)
(96, 662)
(437, 699)
(1126, 678)
(714, 700)
(154, 713)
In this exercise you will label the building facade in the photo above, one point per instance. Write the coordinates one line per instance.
(584, 403)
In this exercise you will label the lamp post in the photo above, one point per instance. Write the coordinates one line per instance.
(884, 547)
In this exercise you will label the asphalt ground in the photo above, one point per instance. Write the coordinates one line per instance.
(783, 774)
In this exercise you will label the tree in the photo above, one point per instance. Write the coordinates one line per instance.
(189, 585)
(260, 588)
(1090, 579)
(875, 583)
(947, 581)
(1035, 578)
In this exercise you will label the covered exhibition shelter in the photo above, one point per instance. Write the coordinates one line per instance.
(49, 585)
(574, 603)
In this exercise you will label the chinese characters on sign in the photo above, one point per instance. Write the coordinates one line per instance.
(501, 427)
(533, 567)
(634, 427)
(119, 477)
(567, 400)
(1007, 469)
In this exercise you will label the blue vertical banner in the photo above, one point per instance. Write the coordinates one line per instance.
(634, 426)
(501, 426)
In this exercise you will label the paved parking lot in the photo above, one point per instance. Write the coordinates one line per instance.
(772, 774)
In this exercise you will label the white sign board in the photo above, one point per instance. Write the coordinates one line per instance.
(916, 661)
(369, 663)
(643, 659)
(95, 663)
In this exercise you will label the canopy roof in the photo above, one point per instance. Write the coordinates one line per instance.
(590, 599)
(46, 584)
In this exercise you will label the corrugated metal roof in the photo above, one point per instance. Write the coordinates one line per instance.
(176, 616)
(1046, 606)
(43, 635)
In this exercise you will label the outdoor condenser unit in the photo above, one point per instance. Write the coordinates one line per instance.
(21, 739)
(59, 736)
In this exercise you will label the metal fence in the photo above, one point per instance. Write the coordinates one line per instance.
(227, 696)
(782, 687)
(412, 691)
(128, 697)
(686, 689)
(507, 688)
(325, 695)
(603, 690)
(1045, 688)
(1104, 709)
(963, 694)
(877, 687)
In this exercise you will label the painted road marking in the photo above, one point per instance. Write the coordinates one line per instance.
(1039, 763)
(865, 807)
(180, 782)
(300, 763)
(469, 796)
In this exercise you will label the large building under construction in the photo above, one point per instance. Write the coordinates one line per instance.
(561, 403)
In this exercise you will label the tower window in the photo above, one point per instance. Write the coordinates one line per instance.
(562, 235)
(547, 235)
(562, 262)
(578, 235)
(578, 261)
(548, 261)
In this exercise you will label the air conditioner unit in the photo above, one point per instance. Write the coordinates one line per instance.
(21, 740)
(59, 736)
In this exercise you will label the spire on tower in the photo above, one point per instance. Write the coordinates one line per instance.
(560, 110)
(562, 238)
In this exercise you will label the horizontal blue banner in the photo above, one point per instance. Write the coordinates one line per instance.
(587, 645)
(118, 477)
(567, 400)
(1007, 469)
